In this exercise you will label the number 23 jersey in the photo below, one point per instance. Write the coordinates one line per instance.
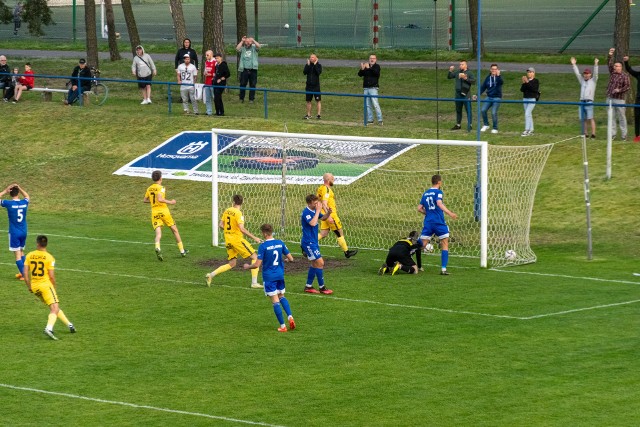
(39, 263)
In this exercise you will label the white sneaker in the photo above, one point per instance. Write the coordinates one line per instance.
(149, 101)
(525, 133)
(484, 128)
(256, 286)
(494, 130)
(144, 102)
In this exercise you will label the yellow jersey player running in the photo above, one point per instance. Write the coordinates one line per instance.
(232, 222)
(160, 214)
(40, 280)
(333, 223)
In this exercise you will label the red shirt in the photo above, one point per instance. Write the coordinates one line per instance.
(209, 71)
(27, 80)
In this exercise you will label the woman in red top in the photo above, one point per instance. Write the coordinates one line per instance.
(24, 83)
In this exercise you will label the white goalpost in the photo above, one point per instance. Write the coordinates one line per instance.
(379, 182)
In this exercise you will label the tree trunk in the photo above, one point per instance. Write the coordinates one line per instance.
(92, 38)
(132, 28)
(473, 21)
(621, 29)
(241, 26)
(175, 7)
(212, 34)
(114, 53)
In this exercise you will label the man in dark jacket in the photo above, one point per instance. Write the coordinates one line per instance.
(186, 49)
(464, 79)
(5, 80)
(220, 81)
(370, 71)
(400, 256)
(493, 86)
(312, 70)
(81, 77)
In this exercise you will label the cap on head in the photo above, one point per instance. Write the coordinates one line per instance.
(139, 47)
(533, 70)
(587, 71)
(82, 61)
(186, 55)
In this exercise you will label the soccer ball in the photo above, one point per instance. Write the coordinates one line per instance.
(428, 247)
(286, 26)
(510, 255)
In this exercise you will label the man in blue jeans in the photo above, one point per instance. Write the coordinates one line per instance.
(493, 86)
(81, 76)
(370, 71)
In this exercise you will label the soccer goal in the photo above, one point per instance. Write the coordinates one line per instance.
(378, 185)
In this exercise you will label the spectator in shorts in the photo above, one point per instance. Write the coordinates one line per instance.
(636, 109)
(619, 85)
(187, 74)
(588, 83)
(220, 80)
(144, 69)
(312, 70)
(80, 79)
(248, 49)
(20, 83)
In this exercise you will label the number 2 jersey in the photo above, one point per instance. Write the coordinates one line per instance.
(39, 263)
(272, 253)
(17, 212)
(429, 200)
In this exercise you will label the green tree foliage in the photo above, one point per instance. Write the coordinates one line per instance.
(37, 14)
(5, 13)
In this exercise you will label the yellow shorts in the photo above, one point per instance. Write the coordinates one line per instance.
(46, 292)
(239, 247)
(160, 218)
(335, 225)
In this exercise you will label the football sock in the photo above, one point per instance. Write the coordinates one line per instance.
(20, 265)
(285, 305)
(51, 321)
(311, 274)
(221, 269)
(320, 276)
(278, 311)
(158, 245)
(62, 317)
(23, 258)
(444, 259)
(342, 243)
(254, 273)
(180, 247)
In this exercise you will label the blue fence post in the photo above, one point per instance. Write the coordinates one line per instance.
(80, 100)
(266, 105)
(364, 114)
(169, 97)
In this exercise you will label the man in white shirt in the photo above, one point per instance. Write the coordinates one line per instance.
(187, 73)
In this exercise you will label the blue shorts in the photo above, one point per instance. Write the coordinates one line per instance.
(274, 288)
(17, 241)
(440, 230)
(311, 251)
(586, 111)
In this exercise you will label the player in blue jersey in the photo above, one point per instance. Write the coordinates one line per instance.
(311, 216)
(17, 211)
(272, 253)
(433, 209)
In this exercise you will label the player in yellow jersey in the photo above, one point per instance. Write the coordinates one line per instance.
(41, 281)
(232, 222)
(160, 214)
(333, 223)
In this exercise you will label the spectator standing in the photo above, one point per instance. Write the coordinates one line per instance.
(17, 18)
(636, 109)
(187, 73)
(370, 72)
(209, 73)
(80, 79)
(186, 49)
(493, 86)
(530, 89)
(220, 80)
(464, 79)
(144, 69)
(5, 75)
(248, 48)
(619, 85)
(312, 70)
(588, 81)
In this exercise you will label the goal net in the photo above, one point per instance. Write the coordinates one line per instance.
(378, 185)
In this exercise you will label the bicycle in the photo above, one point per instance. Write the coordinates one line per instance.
(99, 91)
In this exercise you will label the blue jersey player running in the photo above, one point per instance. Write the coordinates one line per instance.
(17, 211)
(433, 209)
(272, 253)
(311, 216)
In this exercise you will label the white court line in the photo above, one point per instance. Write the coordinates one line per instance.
(564, 276)
(133, 405)
(575, 310)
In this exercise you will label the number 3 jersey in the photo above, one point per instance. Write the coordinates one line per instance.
(272, 253)
(39, 263)
(434, 215)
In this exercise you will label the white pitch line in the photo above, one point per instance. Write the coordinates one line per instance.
(565, 276)
(558, 313)
(133, 405)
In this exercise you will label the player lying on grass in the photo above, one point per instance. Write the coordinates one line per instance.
(272, 253)
(400, 256)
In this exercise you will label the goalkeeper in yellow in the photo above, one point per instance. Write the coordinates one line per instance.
(333, 223)
(232, 222)
(160, 214)
(41, 281)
